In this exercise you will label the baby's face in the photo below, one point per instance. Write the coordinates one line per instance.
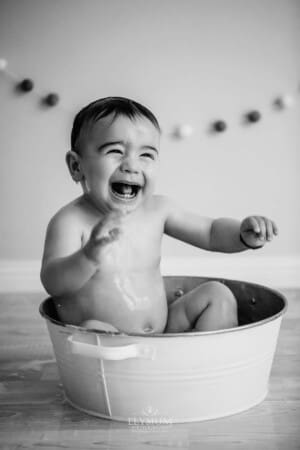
(119, 162)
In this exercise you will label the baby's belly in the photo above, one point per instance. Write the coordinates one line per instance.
(132, 302)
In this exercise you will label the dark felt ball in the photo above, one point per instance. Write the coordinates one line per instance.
(51, 99)
(219, 126)
(26, 85)
(253, 116)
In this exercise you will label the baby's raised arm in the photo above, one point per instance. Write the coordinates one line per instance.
(220, 235)
(67, 265)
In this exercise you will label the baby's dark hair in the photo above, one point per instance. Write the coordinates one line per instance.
(104, 107)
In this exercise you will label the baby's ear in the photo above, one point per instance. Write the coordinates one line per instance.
(73, 163)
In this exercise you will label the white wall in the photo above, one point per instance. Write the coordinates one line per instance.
(190, 62)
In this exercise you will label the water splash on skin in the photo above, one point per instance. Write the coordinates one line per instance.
(132, 300)
(121, 278)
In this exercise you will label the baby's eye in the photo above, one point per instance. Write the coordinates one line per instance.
(114, 150)
(148, 155)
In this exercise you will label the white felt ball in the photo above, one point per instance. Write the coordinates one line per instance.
(3, 64)
(285, 101)
(288, 101)
(183, 131)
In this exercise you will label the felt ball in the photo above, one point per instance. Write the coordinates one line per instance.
(26, 85)
(253, 116)
(3, 64)
(285, 101)
(219, 126)
(51, 99)
(183, 131)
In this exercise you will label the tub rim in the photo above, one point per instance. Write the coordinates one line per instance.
(187, 333)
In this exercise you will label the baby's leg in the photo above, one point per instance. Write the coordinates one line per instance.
(210, 306)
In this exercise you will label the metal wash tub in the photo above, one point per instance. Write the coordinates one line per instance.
(169, 378)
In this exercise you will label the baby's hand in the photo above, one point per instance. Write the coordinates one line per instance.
(104, 233)
(256, 230)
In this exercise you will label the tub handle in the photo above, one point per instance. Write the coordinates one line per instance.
(111, 353)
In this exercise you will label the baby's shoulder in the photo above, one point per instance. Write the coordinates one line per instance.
(71, 215)
(162, 202)
(161, 205)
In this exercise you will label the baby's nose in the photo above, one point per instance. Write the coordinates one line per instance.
(129, 165)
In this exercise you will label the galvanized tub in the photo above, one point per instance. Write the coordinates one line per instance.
(169, 378)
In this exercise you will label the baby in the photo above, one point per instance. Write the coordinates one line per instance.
(102, 252)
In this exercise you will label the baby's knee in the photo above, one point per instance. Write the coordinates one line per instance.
(221, 294)
(222, 299)
(177, 318)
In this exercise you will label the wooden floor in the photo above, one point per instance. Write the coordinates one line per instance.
(34, 415)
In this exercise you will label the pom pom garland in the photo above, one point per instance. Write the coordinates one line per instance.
(183, 131)
(283, 102)
(253, 116)
(180, 132)
(25, 85)
(219, 126)
(51, 99)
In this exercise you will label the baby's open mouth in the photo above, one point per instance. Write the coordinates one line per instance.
(125, 190)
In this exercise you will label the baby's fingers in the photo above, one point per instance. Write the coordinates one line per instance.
(262, 234)
(256, 225)
(106, 225)
(114, 233)
(269, 229)
(107, 236)
(97, 244)
(275, 228)
(252, 224)
(272, 229)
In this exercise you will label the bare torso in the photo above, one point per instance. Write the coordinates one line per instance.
(127, 290)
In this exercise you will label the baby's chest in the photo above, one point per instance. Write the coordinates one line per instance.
(138, 249)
